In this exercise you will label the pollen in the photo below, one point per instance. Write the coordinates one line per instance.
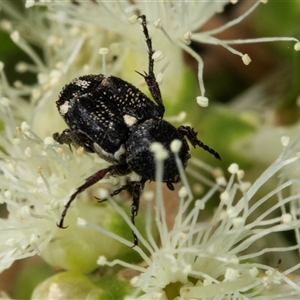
(246, 59)
(187, 37)
(202, 101)
(176, 145)
(285, 141)
(157, 55)
(63, 109)
(297, 46)
(233, 168)
(132, 19)
(157, 24)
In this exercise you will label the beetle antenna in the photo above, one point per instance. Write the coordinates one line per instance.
(191, 135)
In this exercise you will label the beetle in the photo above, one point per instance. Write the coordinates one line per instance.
(112, 118)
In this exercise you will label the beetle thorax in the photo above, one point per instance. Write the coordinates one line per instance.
(141, 160)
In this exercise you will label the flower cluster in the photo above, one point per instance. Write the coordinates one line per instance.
(37, 177)
(225, 255)
(112, 24)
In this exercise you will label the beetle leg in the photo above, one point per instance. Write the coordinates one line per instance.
(170, 186)
(150, 77)
(191, 135)
(114, 170)
(73, 136)
(114, 193)
(137, 187)
(64, 137)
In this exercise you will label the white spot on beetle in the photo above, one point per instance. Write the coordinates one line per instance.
(119, 152)
(63, 109)
(84, 84)
(103, 154)
(129, 120)
(135, 177)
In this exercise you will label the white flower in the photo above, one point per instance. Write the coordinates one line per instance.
(37, 177)
(240, 252)
(179, 21)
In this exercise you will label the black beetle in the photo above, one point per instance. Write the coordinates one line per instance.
(111, 117)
